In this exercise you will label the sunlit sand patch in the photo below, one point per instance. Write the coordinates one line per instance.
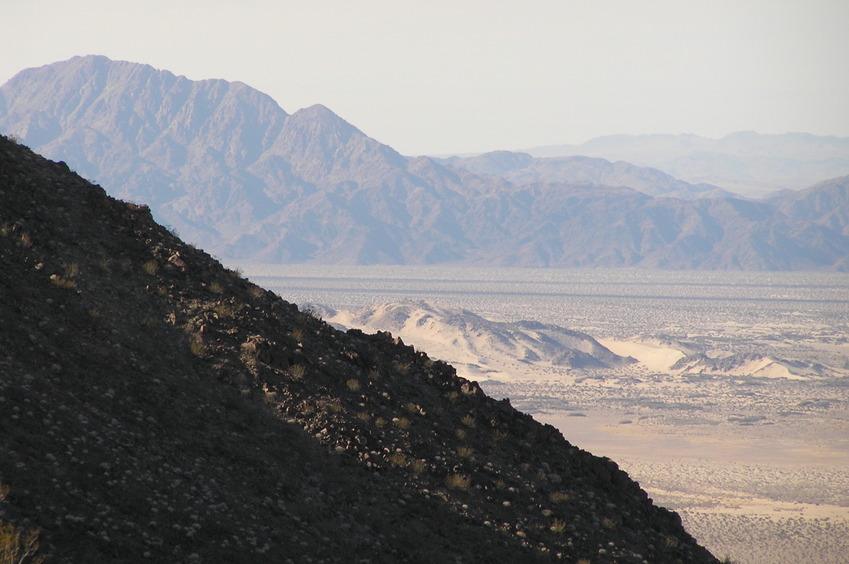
(651, 355)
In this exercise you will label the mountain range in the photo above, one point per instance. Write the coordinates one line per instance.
(228, 169)
(158, 407)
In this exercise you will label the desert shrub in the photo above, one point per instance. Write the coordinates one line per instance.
(558, 497)
(196, 347)
(17, 546)
(458, 482)
(397, 459)
(558, 526)
(297, 371)
(413, 409)
(418, 466)
(151, 267)
(465, 452)
(353, 384)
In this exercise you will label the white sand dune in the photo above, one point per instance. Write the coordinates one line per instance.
(651, 355)
(482, 348)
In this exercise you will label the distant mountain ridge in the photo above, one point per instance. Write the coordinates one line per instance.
(745, 162)
(231, 171)
(522, 168)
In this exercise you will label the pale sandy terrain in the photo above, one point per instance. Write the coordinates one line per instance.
(762, 478)
(755, 460)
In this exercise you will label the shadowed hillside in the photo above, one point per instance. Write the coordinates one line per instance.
(158, 407)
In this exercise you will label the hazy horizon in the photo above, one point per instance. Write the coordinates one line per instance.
(469, 77)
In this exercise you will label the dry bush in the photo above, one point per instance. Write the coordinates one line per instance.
(458, 482)
(353, 384)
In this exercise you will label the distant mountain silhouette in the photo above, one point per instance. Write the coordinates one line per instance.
(231, 171)
(745, 162)
(521, 168)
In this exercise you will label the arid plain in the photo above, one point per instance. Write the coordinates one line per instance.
(735, 413)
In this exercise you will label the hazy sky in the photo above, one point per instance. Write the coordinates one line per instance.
(434, 77)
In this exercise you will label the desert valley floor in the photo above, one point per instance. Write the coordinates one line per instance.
(735, 412)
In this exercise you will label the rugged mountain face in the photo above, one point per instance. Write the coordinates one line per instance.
(825, 204)
(155, 406)
(229, 170)
(744, 162)
(522, 168)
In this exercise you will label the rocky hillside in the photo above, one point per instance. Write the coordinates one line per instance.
(155, 406)
(231, 171)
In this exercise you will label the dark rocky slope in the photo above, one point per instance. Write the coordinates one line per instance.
(156, 407)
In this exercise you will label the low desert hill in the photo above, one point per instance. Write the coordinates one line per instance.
(479, 347)
(155, 406)
(234, 173)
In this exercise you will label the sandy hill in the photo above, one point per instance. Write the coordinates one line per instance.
(481, 348)
(157, 407)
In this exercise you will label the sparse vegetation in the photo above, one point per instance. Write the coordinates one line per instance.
(17, 546)
(151, 267)
(558, 497)
(353, 384)
(458, 482)
(297, 371)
